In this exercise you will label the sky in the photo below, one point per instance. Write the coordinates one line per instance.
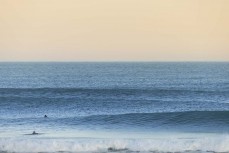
(114, 30)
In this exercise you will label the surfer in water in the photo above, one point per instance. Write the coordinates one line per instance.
(45, 116)
(34, 133)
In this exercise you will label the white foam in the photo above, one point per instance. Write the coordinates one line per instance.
(216, 144)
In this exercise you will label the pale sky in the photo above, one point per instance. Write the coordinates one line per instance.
(114, 30)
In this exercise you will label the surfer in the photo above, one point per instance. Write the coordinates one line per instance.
(34, 133)
(45, 116)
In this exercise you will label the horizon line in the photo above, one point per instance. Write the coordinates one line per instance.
(110, 61)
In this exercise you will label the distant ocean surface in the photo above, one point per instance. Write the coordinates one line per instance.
(114, 107)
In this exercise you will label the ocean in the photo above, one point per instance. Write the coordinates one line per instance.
(122, 107)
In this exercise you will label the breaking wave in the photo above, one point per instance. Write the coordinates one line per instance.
(170, 144)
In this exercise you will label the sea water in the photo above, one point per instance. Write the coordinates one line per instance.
(114, 107)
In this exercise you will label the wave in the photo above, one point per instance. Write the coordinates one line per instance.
(162, 118)
(109, 94)
(132, 90)
(170, 144)
(192, 121)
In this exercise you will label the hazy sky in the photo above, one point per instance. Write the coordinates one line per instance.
(104, 30)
